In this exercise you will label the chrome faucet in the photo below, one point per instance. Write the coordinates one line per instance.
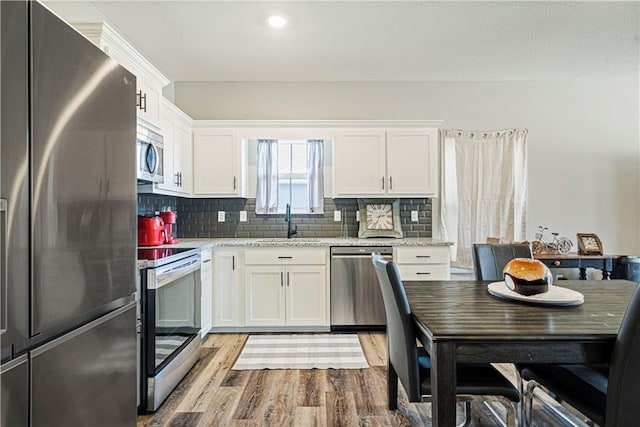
(291, 230)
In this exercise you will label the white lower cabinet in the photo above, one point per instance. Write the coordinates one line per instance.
(206, 279)
(293, 295)
(306, 302)
(423, 263)
(280, 292)
(226, 289)
(265, 296)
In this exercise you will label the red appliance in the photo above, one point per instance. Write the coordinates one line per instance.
(169, 219)
(151, 231)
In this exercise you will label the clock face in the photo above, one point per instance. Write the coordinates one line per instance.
(590, 243)
(379, 217)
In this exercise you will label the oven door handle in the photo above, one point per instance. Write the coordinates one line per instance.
(158, 279)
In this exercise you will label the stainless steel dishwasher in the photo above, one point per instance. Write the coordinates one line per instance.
(356, 300)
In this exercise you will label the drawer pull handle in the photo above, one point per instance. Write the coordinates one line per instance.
(422, 273)
(556, 263)
(423, 256)
(285, 257)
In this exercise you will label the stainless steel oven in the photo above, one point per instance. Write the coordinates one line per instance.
(171, 322)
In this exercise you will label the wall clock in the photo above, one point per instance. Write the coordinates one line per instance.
(589, 244)
(379, 218)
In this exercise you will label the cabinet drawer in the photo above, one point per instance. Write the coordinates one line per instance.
(283, 257)
(424, 272)
(422, 255)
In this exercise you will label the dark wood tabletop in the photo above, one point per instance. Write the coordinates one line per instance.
(460, 322)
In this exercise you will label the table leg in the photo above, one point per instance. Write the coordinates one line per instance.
(608, 268)
(583, 273)
(443, 384)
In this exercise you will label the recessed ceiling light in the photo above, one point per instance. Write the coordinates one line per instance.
(277, 21)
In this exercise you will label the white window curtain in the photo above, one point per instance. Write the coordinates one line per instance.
(484, 188)
(267, 171)
(315, 175)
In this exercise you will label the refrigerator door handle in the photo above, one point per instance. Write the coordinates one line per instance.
(3, 265)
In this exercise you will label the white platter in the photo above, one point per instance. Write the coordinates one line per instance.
(556, 295)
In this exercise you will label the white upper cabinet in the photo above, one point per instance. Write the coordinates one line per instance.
(359, 164)
(412, 162)
(150, 80)
(178, 151)
(386, 163)
(220, 163)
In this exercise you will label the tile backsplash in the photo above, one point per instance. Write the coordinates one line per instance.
(149, 204)
(199, 218)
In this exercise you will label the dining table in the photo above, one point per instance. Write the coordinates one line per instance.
(460, 322)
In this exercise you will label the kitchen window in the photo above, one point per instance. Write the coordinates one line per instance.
(290, 171)
(293, 181)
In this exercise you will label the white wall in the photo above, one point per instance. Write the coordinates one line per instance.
(583, 135)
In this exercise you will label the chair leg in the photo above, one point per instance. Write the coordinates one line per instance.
(521, 407)
(392, 386)
(529, 402)
(467, 413)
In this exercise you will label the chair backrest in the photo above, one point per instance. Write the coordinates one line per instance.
(401, 329)
(489, 259)
(623, 391)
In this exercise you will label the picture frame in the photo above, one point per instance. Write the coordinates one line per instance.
(379, 218)
(589, 244)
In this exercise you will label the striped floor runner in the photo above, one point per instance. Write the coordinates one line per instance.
(334, 351)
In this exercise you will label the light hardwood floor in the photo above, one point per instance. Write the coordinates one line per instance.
(214, 395)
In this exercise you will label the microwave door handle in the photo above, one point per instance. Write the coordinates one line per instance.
(3, 265)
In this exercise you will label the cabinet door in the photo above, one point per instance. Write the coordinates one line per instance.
(149, 106)
(167, 130)
(412, 162)
(183, 156)
(306, 295)
(217, 164)
(226, 289)
(359, 163)
(265, 302)
(206, 281)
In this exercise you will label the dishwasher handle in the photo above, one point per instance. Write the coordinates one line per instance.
(368, 256)
(360, 251)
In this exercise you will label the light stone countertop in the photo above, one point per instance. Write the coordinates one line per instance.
(301, 242)
(274, 242)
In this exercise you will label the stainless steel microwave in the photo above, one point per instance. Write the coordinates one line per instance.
(150, 155)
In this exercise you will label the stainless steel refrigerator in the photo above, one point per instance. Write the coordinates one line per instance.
(67, 226)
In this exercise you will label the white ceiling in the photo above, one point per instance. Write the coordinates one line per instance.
(375, 40)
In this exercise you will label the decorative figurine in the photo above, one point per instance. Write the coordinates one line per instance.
(542, 245)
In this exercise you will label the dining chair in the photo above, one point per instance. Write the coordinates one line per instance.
(608, 395)
(411, 364)
(489, 259)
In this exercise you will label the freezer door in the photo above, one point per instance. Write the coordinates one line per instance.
(14, 377)
(14, 156)
(88, 377)
(83, 176)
